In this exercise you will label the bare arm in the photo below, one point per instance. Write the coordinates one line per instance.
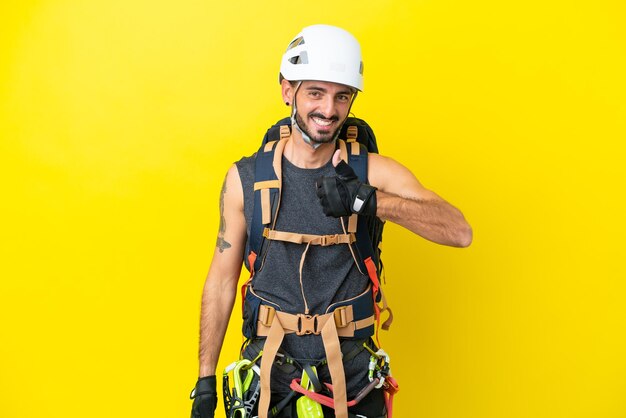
(220, 287)
(403, 200)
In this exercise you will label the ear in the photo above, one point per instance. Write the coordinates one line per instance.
(287, 91)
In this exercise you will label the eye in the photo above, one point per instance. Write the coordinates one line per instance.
(343, 98)
(315, 94)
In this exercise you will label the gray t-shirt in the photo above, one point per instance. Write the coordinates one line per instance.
(329, 273)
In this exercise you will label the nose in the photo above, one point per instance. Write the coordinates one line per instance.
(327, 106)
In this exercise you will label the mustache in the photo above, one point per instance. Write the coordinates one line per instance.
(319, 115)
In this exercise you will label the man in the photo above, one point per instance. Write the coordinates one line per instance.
(304, 283)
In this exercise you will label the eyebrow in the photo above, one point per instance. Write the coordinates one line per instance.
(323, 90)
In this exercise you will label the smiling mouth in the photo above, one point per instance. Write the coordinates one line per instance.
(321, 122)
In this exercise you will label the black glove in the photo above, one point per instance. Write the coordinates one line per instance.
(344, 194)
(204, 398)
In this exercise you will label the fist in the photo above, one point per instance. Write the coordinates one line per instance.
(343, 194)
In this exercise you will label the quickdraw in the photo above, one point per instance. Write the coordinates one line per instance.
(239, 402)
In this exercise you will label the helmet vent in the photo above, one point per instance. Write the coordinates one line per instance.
(361, 68)
(303, 58)
(298, 41)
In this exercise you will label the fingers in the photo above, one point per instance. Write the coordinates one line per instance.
(344, 171)
(330, 198)
(321, 193)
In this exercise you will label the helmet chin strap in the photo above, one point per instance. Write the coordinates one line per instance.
(307, 138)
(294, 122)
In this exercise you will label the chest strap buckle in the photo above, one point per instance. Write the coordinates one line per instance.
(307, 324)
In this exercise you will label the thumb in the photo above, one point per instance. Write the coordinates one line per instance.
(342, 168)
(336, 158)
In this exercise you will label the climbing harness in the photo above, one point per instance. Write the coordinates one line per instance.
(355, 318)
(310, 392)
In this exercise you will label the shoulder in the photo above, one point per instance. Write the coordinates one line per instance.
(390, 176)
(382, 169)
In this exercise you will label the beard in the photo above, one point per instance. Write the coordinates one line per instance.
(319, 137)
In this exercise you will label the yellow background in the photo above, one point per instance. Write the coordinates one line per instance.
(119, 119)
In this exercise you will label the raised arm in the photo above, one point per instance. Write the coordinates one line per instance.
(220, 286)
(400, 198)
(403, 200)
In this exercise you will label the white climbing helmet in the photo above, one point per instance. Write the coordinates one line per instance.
(324, 53)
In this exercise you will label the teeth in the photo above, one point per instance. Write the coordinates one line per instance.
(322, 122)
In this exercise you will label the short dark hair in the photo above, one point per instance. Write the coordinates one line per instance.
(281, 78)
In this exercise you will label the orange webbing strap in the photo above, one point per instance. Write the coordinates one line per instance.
(270, 349)
(302, 324)
(275, 324)
(278, 170)
(266, 207)
(278, 158)
(285, 132)
(352, 222)
(322, 240)
(268, 146)
(267, 184)
(355, 148)
(332, 347)
(351, 133)
(386, 307)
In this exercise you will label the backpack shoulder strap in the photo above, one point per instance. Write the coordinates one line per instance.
(277, 131)
(356, 155)
(267, 186)
(364, 252)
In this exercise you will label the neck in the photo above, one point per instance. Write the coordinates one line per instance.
(303, 155)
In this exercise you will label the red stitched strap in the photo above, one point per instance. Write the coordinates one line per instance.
(391, 388)
(251, 261)
(389, 405)
(296, 386)
(317, 397)
(371, 272)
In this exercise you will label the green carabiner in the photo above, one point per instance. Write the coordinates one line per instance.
(307, 407)
(240, 386)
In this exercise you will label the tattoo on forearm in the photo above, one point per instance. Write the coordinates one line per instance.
(222, 244)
